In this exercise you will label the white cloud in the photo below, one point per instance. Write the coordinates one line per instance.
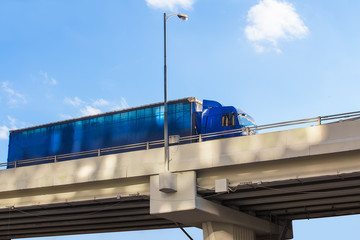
(100, 102)
(89, 110)
(75, 102)
(97, 106)
(12, 122)
(65, 116)
(4, 132)
(171, 5)
(123, 104)
(13, 96)
(48, 79)
(271, 21)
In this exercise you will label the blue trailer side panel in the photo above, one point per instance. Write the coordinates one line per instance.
(102, 131)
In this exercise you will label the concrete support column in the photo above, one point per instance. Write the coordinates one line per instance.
(226, 231)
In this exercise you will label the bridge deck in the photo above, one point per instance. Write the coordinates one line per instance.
(294, 174)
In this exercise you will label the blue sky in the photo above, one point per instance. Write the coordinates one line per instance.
(277, 60)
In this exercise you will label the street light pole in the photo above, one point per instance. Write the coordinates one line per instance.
(166, 133)
(166, 128)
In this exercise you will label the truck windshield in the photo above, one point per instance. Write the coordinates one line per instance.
(245, 120)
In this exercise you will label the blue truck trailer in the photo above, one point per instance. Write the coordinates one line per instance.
(186, 117)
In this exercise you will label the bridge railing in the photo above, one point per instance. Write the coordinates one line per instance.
(182, 140)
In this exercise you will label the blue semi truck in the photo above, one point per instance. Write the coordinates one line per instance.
(186, 117)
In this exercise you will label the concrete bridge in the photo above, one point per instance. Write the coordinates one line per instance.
(246, 188)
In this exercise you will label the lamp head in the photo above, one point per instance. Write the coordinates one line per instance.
(183, 17)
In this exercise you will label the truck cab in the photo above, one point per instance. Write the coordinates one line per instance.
(217, 118)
